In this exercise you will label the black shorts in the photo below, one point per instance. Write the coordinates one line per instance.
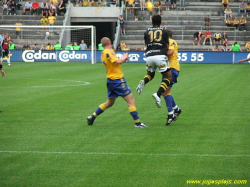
(173, 2)
(196, 35)
(136, 12)
(17, 33)
(217, 39)
(6, 53)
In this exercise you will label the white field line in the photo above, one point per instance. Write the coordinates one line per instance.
(72, 83)
(125, 154)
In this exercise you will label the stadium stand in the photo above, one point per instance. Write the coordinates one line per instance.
(183, 23)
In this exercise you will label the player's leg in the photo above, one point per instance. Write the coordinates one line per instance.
(150, 74)
(164, 68)
(8, 57)
(173, 110)
(1, 66)
(101, 108)
(133, 111)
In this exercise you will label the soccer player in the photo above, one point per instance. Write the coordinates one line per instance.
(5, 47)
(173, 110)
(76, 47)
(116, 84)
(156, 41)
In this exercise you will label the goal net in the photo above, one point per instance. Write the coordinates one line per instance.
(51, 43)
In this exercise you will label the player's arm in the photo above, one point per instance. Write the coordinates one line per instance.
(123, 59)
(247, 59)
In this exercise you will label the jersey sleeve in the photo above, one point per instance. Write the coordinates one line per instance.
(112, 56)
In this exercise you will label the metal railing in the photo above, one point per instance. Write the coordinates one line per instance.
(118, 28)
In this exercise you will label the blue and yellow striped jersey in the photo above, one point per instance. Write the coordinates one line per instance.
(173, 59)
(114, 71)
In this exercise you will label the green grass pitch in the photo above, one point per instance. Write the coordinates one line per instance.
(45, 140)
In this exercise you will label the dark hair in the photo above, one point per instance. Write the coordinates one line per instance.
(169, 32)
(156, 20)
(235, 43)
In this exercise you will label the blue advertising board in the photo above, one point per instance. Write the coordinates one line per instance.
(134, 56)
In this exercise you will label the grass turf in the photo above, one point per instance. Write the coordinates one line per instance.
(45, 141)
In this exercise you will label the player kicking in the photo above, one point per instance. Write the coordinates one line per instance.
(116, 84)
(5, 47)
(157, 42)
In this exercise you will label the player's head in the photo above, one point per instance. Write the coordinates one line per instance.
(156, 20)
(83, 41)
(169, 32)
(75, 43)
(10, 41)
(6, 36)
(105, 41)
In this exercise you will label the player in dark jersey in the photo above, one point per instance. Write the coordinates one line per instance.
(5, 47)
(156, 40)
(1, 66)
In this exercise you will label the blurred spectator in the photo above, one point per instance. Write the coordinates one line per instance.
(247, 46)
(49, 47)
(44, 8)
(85, 3)
(182, 4)
(224, 49)
(26, 46)
(58, 46)
(76, 46)
(130, 5)
(229, 22)
(35, 8)
(236, 23)
(197, 37)
(42, 47)
(242, 25)
(224, 38)
(217, 37)
(167, 4)
(225, 3)
(69, 46)
(150, 8)
(121, 20)
(27, 6)
(13, 7)
(125, 48)
(62, 7)
(208, 37)
(18, 29)
(5, 6)
(207, 22)
(36, 48)
(51, 20)
(100, 48)
(44, 22)
(77, 3)
(248, 8)
(119, 48)
(173, 4)
(83, 45)
(112, 3)
(216, 48)
(12, 46)
(52, 7)
(137, 6)
(137, 48)
(158, 8)
(122, 44)
(227, 13)
(235, 47)
(242, 9)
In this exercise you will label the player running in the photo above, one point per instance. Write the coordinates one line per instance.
(116, 84)
(5, 47)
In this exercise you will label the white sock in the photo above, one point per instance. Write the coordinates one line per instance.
(8, 60)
